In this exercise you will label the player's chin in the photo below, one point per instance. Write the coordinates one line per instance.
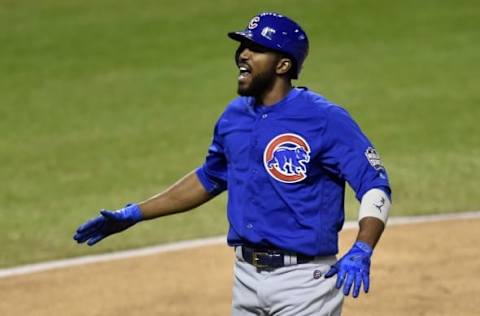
(244, 90)
(244, 87)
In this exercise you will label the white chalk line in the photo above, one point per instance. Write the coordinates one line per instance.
(189, 244)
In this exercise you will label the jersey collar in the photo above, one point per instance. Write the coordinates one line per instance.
(280, 104)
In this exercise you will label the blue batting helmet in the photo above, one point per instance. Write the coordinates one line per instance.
(276, 32)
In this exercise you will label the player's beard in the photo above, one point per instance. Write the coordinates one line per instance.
(258, 84)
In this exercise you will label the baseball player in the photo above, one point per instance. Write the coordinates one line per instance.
(284, 154)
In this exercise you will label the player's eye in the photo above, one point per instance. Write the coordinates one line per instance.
(257, 48)
(252, 47)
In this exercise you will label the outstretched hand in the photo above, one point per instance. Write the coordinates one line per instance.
(108, 223)
(353, 269)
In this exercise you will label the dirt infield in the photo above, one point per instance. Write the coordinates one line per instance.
(418, 269)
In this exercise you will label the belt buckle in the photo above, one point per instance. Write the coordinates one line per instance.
(255, 259)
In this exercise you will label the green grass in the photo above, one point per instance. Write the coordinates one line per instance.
(107, 102)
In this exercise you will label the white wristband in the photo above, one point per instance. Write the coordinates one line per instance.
(375, 203)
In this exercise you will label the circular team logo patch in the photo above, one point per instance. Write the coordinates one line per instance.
(285, 158)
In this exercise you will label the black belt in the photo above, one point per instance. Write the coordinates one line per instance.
(271, 259)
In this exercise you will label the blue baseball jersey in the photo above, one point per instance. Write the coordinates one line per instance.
(285, 168)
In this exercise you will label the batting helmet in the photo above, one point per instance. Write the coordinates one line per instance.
(279, 33)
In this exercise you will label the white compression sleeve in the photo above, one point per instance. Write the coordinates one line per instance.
(375, 203)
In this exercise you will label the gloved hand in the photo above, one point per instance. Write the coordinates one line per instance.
(108, 223)
(353, 268)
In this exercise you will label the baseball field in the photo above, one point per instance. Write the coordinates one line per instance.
(108, 102)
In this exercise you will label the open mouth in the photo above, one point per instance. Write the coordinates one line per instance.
(244, 71)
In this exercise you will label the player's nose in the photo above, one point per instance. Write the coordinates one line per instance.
(244, 53)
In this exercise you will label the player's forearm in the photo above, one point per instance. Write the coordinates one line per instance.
(371, 228)
(373, 214)
(184, 195)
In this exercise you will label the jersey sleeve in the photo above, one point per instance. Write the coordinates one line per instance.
(349, 154)
(213, 173)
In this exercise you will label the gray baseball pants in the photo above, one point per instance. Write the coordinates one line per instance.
(294, 290)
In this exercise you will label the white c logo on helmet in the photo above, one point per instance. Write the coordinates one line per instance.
(253, 23)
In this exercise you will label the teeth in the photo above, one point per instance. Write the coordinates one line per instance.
(243, 69)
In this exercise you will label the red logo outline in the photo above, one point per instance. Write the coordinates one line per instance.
(273, 145)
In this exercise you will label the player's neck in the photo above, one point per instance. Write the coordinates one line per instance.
(276, 93)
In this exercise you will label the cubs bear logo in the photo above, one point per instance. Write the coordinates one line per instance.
(285, 158)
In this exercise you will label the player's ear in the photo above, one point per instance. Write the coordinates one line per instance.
(284, 65)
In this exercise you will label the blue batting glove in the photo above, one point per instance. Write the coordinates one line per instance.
(353, 268)
(108, 223)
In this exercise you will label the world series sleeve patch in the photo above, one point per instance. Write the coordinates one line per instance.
(374, 158)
